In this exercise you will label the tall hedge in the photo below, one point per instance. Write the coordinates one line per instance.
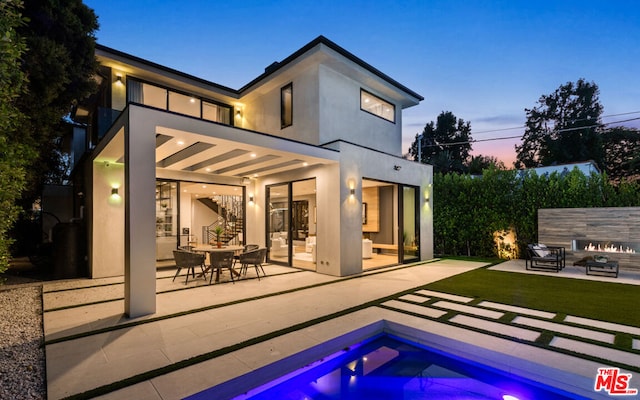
(14, 155)
(469, 210)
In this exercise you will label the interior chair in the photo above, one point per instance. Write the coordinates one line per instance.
(221, 260)
(189, 260)
(255, 258)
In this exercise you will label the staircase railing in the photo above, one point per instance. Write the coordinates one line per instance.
(230, 219)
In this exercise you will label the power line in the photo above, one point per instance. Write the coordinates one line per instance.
(520, 136)
(582, 119)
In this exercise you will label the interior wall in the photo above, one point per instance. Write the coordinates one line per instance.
(371, 197)
(387, 217)
(202, 216)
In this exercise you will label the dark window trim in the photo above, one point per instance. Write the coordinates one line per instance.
(381, 99)
(182, 92)
(283, 123)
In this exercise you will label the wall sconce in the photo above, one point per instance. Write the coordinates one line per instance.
(352, 188)
(239, 113)
(119, 80)
(114, 198)
(250, 198)
(396, 167)
(246, 180)
(426, 197)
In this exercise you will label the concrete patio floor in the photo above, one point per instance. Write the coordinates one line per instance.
(205, 336)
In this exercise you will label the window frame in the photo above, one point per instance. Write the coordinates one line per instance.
(184, 93)
(382, 101)
(286, 109)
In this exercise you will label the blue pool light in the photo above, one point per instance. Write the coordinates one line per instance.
(509, 397)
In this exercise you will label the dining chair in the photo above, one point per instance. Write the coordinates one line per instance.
(219, 261)
(246, 248)
(255, 258)
(189, 260)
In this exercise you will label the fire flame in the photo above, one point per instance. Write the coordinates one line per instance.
(609, 248)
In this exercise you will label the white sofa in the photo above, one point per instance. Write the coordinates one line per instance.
(309, 242)
(279, 247)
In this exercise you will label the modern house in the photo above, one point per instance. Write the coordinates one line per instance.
(304, 160)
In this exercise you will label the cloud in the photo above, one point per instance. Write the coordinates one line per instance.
(511, 120)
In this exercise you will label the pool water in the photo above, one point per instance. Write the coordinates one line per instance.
(390, 368)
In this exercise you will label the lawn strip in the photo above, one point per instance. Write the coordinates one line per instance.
(546, 293)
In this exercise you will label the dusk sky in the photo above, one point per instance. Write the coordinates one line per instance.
(485, 61)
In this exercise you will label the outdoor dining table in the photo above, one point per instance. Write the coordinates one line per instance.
(213, 249)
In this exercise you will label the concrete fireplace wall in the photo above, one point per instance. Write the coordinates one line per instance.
(615, 225)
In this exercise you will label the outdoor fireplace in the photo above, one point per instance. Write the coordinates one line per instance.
(605, 246)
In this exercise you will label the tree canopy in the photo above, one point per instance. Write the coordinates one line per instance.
(445, 143)
(60, 64)
(564, 127)
(622, 153)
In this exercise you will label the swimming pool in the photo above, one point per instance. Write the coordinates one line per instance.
(389, 367)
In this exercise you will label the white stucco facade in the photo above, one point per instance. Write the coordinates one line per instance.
(331, 142)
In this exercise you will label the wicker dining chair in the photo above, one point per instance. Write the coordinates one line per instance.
(189, 260)
(221, 260)
(254, 258)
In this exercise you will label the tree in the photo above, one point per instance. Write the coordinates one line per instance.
(14, 156)
(60, 64)
(564, 127)
(622, 153)
(479, 163)
(445, 144)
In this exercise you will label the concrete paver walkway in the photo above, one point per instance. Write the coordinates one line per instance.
(232, 330)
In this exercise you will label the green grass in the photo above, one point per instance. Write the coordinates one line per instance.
(603, 301)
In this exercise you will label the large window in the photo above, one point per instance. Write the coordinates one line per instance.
(286, 106)
(159, 97)
(376, 106)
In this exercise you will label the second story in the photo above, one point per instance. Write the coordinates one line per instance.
(318, 95)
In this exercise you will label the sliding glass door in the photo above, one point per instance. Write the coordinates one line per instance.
(278, 223)
(291, 223)
(410, 225)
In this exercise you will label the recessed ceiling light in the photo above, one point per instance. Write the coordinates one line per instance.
(204, 186)
(255, 175)
(208, 169)
(304, 164)
(192, 100)
(180, 142)
(253, 154)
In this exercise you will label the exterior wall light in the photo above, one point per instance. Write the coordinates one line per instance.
(119, 80)
(396, 167)
(352, 188)
(250, 198)
(114, 191)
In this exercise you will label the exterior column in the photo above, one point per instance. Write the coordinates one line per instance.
(140, 175)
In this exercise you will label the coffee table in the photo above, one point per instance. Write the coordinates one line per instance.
(607, 268)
